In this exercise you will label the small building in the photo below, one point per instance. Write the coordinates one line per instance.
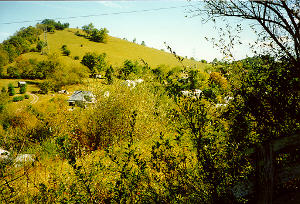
(132, 83)
(63, 92)
(21, 83)
(81, 98)
(196, 93)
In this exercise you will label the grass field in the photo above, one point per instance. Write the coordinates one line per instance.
(117, 50)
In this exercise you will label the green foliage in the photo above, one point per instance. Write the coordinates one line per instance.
(4, 57)
(66, 52)
(26, 96)
(4, 98)
(143, 43)
(3, 90)
(193, 79)
(40, 45)
(52, 25)
(128, 68)
(11, 89)
(23, 89)
(159, 73)
(31, 69)
(99, 35)
(94, 62)
(45, 87)
(109, 75)
(213, 152)
(76, 57)
(218, 79)
(18, 44)
(88, 28)
(95, 34)
(18, 98)
(267, 99)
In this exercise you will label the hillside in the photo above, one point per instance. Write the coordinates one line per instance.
(117, 50)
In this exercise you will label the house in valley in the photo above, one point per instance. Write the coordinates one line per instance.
(21, 83)
(81, 98)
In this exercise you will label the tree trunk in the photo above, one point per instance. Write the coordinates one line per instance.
(265, 174)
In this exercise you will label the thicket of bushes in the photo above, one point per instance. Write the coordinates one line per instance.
(150, 144)
(22, 41)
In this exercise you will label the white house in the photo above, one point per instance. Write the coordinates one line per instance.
(132, 83)
(81, 98)
(196, 93)
(21, 83)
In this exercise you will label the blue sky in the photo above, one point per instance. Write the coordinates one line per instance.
(184, 34)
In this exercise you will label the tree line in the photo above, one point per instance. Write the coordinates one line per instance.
(22, 41)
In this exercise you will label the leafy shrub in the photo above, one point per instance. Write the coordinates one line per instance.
(94, 62)
(52, 25)
(76, 58)
(45, 87)
(109, 75)
(218, 79)
(23, 89)
(26, 96)
(18, 98)
(40, 45)
(66, 52)
(128, 68)
(11, 89)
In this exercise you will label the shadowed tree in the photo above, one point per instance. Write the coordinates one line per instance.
(266, 102)
(279, 19)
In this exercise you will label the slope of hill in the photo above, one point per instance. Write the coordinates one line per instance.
(117, 50)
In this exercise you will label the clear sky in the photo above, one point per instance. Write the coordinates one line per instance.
(185, 35)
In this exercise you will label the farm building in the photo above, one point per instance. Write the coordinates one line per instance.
(81, 98)
(196, 93)
(21, 83)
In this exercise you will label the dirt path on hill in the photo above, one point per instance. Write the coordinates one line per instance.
(35, 98)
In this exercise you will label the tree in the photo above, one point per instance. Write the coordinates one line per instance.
(66, 52)
(193, 81)
(23, 89)
(109, 75)
(134, 40)
(143, 43)
(45, 87)
(52, 25)
(279, 19)
(88, 28)
(266, 87)
(3, 90)
(94, 62)
(11, 89)
(40, 45)
(99, 35)
(129, 67)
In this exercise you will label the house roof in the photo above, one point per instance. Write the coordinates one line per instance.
(81, 96)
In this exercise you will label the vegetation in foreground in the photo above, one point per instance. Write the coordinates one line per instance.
(150, 143)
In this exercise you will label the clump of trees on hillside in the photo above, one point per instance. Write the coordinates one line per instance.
(51, 25)
(94, 62)
(24, 39)
(18, 44)
(65, 50)
(94, 34)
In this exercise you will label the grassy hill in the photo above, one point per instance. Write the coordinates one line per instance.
(117, 50)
